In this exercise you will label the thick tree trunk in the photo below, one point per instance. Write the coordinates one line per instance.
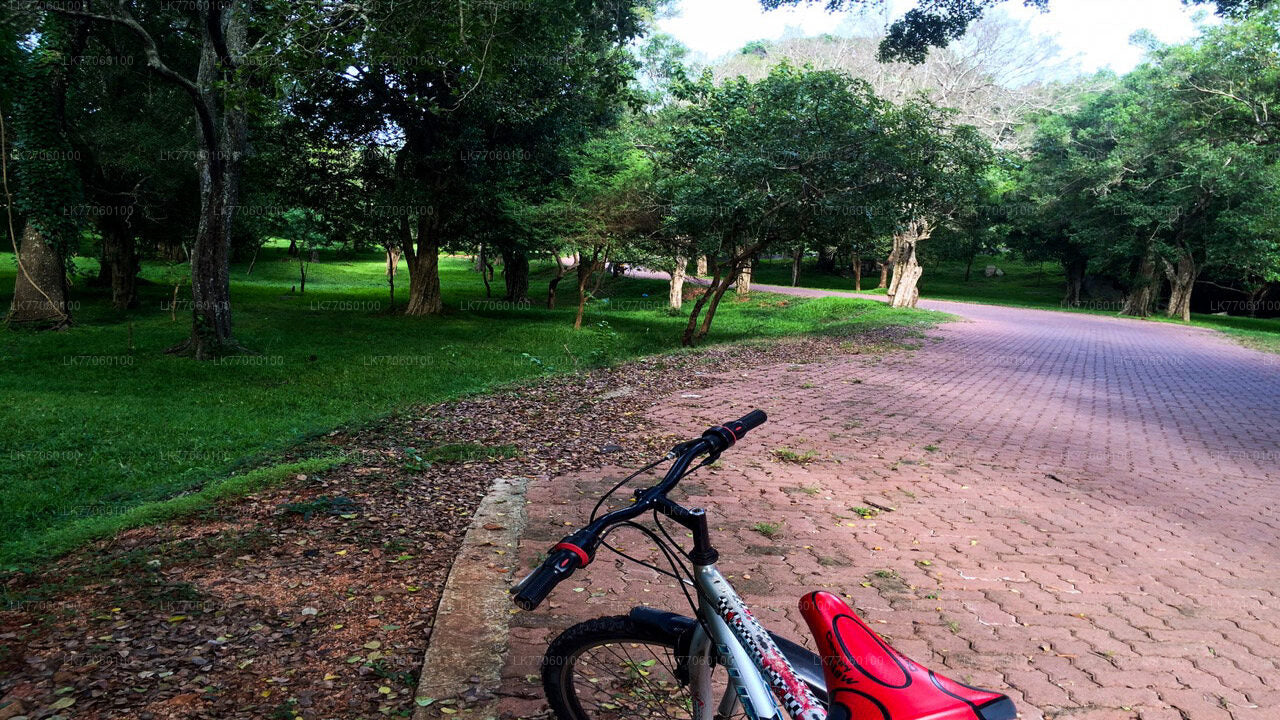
(1182, 280)
(857, 272)
(515, 271)
(795, 267)
(1141, 299)
(1074, 269)
(211, 334)
(884, 275)
(40, 291)
(904, 289)
(222, 137)
(120, 259)
(701, 269)
(742, 285)
(423, 256)
(675, 288)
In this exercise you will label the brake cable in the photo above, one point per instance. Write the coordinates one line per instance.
(672, 557)
(628, 479)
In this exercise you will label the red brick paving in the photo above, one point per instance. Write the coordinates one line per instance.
(1084, 512)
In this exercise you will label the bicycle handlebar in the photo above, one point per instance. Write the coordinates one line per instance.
(535, 588)
(578, 549)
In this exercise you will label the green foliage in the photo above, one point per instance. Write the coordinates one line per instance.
(1175, 167)
(46, 187)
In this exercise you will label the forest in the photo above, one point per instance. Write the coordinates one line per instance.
(150, 133)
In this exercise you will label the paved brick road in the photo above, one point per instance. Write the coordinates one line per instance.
(1084, 512)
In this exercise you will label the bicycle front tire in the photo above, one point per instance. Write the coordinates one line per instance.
(612, 668)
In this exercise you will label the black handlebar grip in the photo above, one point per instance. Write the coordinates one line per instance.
(750, 421)
(535, 588)
(723, 437)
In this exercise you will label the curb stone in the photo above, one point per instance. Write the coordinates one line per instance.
(468, 643)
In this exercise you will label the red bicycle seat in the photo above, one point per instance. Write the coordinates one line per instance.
(868, 680)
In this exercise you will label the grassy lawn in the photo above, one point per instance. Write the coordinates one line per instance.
(1032, 285)
(99, 424)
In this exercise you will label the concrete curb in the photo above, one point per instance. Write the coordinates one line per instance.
(468, 643)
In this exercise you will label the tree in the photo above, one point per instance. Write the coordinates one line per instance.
(48, 196)
(1173, 171)
(935, 171)
(610, 204)
(995, 77)
(216, 73)
(484, 102)
(746, 165)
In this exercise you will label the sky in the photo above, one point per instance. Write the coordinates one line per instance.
(1095, 32)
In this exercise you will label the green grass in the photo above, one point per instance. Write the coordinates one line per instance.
(770, 530)
(1024, 284)
(794, 457)
(98, 424)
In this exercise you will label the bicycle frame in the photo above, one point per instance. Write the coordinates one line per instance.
(749, 654)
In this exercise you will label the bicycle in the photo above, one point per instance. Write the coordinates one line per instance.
(591, 670)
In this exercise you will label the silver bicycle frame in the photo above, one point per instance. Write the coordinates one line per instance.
(749, 655)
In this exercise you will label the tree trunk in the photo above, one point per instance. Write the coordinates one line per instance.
(561, 270)
(884, 275)
(711, 298)
(719, 285)
(857, 272)
(40, 291)
(423, 256)
(486, 270)
(1182, 280)
(904, 290)
(742, 285)
(675, 289)
(586, 268)
(391, 284)
(222, 134)
(393, 262)
(1142, 297)
(795, 267)
(968, 266)
(701, 269)
(515, 271)
(120, 258)
(1074, 268)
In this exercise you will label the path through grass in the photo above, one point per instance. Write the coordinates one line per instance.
(1031, 285)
